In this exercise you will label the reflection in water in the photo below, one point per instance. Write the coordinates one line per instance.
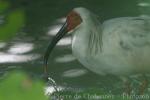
(61, 20)
(20, 48)
(54, 29)
(74, 73)
(65, 58)
(2, 44)
(143, 4)
(14, 58)
(15, 53)
(144, 7)
(64, 41)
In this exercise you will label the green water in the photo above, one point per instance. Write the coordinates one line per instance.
(42, 19)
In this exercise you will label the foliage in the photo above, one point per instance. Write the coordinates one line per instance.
(18, 86)
(12, 21)
(3, 6)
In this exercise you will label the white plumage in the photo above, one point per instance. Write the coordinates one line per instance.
(119, 46)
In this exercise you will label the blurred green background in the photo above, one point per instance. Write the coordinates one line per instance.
(26, 26)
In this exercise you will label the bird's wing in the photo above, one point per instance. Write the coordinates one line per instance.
(138, 31)
(133, 31)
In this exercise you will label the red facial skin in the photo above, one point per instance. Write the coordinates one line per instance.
(73, 20)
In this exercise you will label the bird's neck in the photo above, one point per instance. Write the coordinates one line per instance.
(95, 40)
(87, 39)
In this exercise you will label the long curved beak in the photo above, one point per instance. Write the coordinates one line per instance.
(52, 44)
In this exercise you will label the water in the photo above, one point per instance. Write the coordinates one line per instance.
(43, 18)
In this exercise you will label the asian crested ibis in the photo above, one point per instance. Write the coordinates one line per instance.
(119, 46)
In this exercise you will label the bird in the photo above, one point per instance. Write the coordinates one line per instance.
(118, 46)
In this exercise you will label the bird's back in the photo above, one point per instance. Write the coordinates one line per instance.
(126, 45)
(124, 49)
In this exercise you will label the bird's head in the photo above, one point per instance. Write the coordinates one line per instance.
(73, 20)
